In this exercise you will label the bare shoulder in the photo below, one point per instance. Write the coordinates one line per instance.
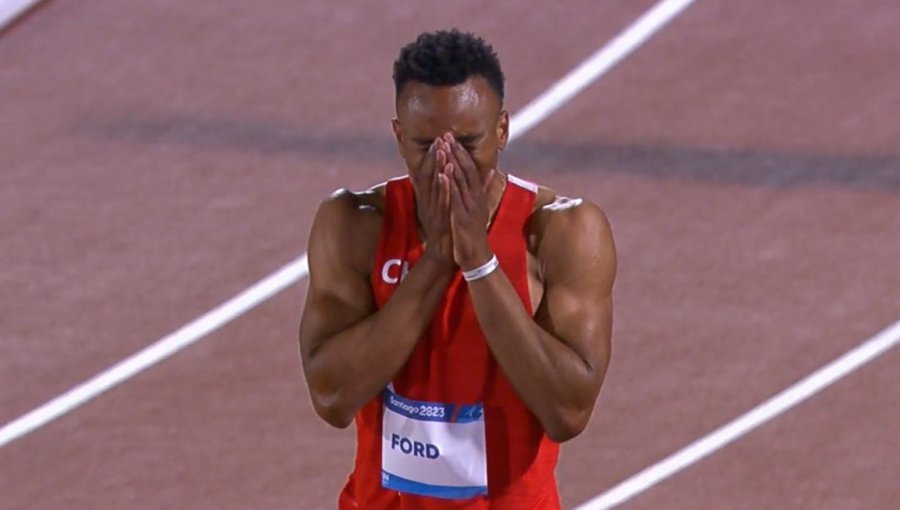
(346, 228)
(559, 216)
(354, 204)
(351, 212)
(568, 233)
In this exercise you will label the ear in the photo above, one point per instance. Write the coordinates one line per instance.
(398, 132)
(503, 129)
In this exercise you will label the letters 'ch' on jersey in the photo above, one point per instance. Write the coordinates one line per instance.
(447, 382)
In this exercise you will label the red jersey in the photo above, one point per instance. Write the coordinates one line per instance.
(452, 363)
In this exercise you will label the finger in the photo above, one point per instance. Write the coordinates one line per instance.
(441, 155)
(465, 161)
(456, 201)
(460, 175)
(448, 153)
(427, 168)
(444, 200)
(435, 188)
(465, 192)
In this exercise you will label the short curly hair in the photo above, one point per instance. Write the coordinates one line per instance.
(447, 58)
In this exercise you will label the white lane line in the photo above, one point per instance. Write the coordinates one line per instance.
(12, 9)
(596, 65)
(531, 115)
(158, 351)
(800, 391)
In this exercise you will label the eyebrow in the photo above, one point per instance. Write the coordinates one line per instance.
(463, 140)
(467, 139)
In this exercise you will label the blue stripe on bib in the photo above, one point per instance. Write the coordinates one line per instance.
(397, 483)
(432, 411)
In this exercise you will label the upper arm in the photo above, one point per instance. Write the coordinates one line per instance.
(339, 295)
(578, 261)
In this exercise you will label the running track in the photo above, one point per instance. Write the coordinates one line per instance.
(161, 157)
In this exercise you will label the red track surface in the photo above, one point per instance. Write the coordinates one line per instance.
(160, 156)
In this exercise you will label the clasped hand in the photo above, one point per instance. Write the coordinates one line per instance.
(451, 198)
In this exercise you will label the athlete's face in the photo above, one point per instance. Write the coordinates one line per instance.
(470, 110)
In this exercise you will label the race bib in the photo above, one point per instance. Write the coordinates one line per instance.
(432, 448)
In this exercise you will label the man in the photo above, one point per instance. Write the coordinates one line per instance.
(460, 315)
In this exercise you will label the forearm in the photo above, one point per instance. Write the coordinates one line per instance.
(352, 366)
(550, 378)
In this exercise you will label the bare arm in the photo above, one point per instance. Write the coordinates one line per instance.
(558, 360)
(350, 351)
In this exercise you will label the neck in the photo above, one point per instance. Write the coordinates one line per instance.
(494, 193)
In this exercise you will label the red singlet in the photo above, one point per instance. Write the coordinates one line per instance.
(452, 363)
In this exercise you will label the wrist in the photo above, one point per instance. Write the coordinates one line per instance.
(481, 271)
(439, 259)
(475, 258)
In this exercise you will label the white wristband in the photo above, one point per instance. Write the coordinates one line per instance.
(482, 271)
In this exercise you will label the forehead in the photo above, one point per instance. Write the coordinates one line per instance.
(432, 110)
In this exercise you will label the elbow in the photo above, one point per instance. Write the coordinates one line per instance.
(567, 425)
(327, 397)
(561, 434)
(337, 418)
(333, 412)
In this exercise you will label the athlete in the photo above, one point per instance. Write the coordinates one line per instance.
(461, 316)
